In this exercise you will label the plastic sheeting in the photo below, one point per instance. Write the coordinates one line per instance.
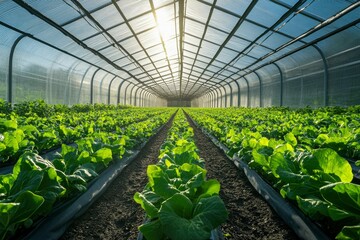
(182, 49)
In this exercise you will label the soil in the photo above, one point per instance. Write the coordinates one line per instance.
(250, 217)
(116, 216)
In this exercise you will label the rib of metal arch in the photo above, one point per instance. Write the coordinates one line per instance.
(281, 83)
(111, 37)
(92, 86)
(260, 89)
(316, 28)
(202, 38)
(68, 34)
(58, 49)
(101, 83)
(238, 24)
(10, 69)
(261, 45)
(67, 95)
(247, 11)
(137, 39)
(82, 80)
(181, 40)
(131, 94)
(309, 32)
(109, 89)
(307, 45)
(312, 43)
(126, 93)
(119, 90)
(162, 41)
(137, 103)
(141, 97)
(135, 95)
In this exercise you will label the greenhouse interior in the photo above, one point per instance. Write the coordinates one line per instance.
(180, 119)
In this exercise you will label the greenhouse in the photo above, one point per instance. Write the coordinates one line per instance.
(179, 119)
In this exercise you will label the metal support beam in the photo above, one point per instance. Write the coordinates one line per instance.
(126, 93)
(92, 86)
(81, 83)
(260, 89)
(119, 89)
(109, 90)
(10, 74)
(281, 84)
(231, 94)
(141, 97)
(238, 94)
(326, 74)
(100, 88)
(248, 92)
(136, 91)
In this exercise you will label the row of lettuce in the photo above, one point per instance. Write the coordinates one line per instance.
(180, 203)
(300, 153)
(36, 185)
(31, 132)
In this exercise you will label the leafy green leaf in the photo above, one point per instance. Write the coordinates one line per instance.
(152, 230)
(291, 139)
(147, 199)
(349, 233)
(343, 195)
(328, 161)
(181, 220)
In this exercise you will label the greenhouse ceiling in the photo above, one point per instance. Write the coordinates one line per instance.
(179, 49)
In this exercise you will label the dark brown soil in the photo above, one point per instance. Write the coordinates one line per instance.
(250, 217)
(116, 216)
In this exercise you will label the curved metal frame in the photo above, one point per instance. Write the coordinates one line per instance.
(92, 87)
(326, 74)
(69, 82)
(119, 89)
(109, 89)
(126, 94)
(281, 84)
(131, 95)
(101, 83)
(248, 91)
(10, 69)
(260, 89)
(81, 83)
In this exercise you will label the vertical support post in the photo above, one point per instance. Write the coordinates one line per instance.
(231, 95)
(119, 89)
(131, 95)
(281, 84)
(136, 91)
(101, 83)
(141, 97)
(218, 100)
(10, 73)
(81, 83)
(109, 90)
(260, 89)
(326, 75)
(248, 91)
(92, 87)
(238, 93)
(126, 94)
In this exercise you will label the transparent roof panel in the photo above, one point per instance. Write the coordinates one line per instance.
(207, 42)
(266, 13)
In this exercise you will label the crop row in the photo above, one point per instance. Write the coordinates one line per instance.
(36, 185)
(296, 153)
(41, 134)
(180, 203)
